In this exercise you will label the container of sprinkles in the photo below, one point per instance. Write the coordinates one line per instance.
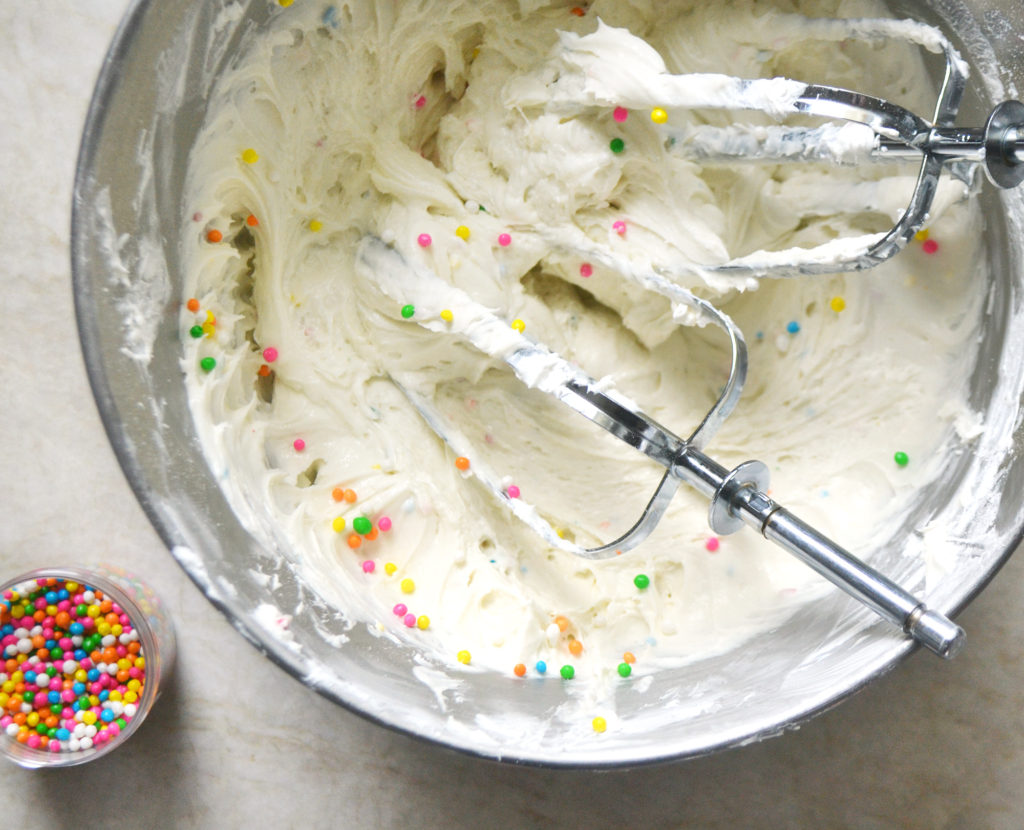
(83, 655)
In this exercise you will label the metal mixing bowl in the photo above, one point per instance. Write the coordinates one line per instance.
(148, 106)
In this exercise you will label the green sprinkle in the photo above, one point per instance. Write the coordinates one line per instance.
(408, 311)
(207, 364)
(625, 670)
(641, 581)
(567, 672)
(901, 459)
(196, 331)
(617, 145)
(362, 525)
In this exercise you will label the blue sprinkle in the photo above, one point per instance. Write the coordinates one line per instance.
(793, 327)
(329, 18)
(541, 667)
(759, 335)
(824, 494)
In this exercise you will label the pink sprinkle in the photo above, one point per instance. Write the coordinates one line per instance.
(424, 240)
(711, 544)
(400, 609)
(619, 227)
(197, 217)
(586, 269)
(420, 102)
(384, 523)
(299, 445)
(409, 620)
(504, 240)
(930, 246)
(620, 114)
(270, 354)
(513, 491)
(368, 566)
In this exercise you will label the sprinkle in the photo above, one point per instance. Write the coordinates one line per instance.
(658, 115)
(285, 3)
(390, 568)
(197, 217)
(620, 114)
(562, 623)
(384, 523)
(930, 246)
(513, 491)
(541, 667)
(586, 269)
(408, 311)
(400, 610)
(214, 236)
(424, 240)
(354, 540)
(251, 221)
(518, 325)
(921, 235)
(250, 156)
(504, 239)
(338, 493)
(423, 622)
(628, 657)
(409, 620)
(792, 327)
(462, 463)
(420, 102)
(619, 227)
(368, 566)
(599, 724)
(209, 329)
(196, 331)
(463, 657)
(362, 525)
(625, 670)
(578, 11)
(567, 672)
(371, 535)
(901, 458)
(446, 315)
(407, 586)
(617, 145)
(338, 525)
(462, 232)
(207, 364)
(575, 648)
(192, 305)
(299, 445)
(641, 581)
(316, 225)
(519, 670)
(837, 304)
(349, 496)
(711, 545)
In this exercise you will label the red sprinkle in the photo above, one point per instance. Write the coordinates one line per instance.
(929, 246)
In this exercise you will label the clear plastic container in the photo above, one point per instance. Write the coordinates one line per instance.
(155, 633)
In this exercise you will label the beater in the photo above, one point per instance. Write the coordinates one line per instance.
(883, 131)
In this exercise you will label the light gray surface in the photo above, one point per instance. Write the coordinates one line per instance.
(234, 740)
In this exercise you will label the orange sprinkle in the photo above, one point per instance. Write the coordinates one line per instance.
(462, 463)
(338, 494)
(562, 623)
(628, 657)
(519, 670)
(354, 540)
(214, 236)
(578, 11)
(575, 648)
(251, 221)
(263, 371)
(373, 534)
(350, 496)
(192, 305)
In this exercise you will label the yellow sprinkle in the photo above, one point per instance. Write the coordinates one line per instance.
(375, 467)
(390, 568)
(209, 329)
(463, 657)
(89, 717)
(561, 532)
(250, 156)
(447, 315)
(130, 697)
(338, 524)
(599, 724)
(658, 115)
(316, 225)
(423, 622)
(518, 325)
(210, 318)
(285, 3)
(462, 232)
(837, 304)
(408, 586)
(476, 52)
(921, 235)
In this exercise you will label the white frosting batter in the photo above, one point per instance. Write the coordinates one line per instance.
(466, 121)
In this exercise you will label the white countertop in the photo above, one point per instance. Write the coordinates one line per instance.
(235, 740)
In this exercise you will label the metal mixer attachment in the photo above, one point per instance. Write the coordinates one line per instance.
(871, 129)
(737, 496)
